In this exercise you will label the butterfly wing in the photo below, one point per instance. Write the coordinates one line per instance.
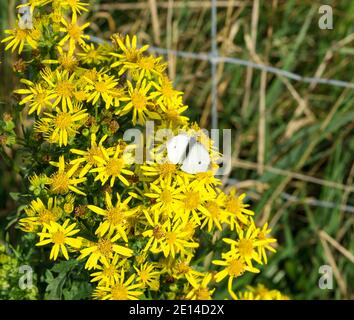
(198, 160)
(176, 148)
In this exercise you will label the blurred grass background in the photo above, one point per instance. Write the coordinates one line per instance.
(293, 142)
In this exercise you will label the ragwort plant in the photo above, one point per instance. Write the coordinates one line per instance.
(143, 231)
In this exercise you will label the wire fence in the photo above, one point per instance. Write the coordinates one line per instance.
(214, 58)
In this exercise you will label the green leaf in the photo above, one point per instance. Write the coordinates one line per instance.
(65, 266)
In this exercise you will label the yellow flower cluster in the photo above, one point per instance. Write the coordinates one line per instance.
(260, 292)
(143, 230)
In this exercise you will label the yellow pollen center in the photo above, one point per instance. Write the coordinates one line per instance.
(65, 88)
(115, 216)
(131, 55)
(246, 247)
(91, 153)
(233, 205)
(58, 237)
(41, 98)
(119, 292)
(144, 275)
(183, 268)
(192, 200)
(172, 115)
(171, 237)
(63, 120)
(74, 31)
(167, 91)
(114, 167)
(101, 86)
(20, 34)
(203, 294)
(60, 183)
(46, 216)
(147, 63)
(166, 196)
(166, 169)
(67, 61)
(235, 268)
(105, 247)
(72, 3)
(213, 209)
(262, 235)
(109, 271)
(92, 54)
(139, 101)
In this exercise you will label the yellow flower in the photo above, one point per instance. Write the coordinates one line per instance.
(130, 53)
(92, 54)
(122, 290)
(246, 245)
(38, 96)
(64, 124)
(75, 5)
(19, 37)
(34, 3)
(182, 269)
(265, 294)
(148, 276)
(38, 181)
(62, 182)
(65, 60)
(206, 181)
(115, 217)
(172, 241)
(248, 295)
(89, 156)
(260, 292)
(194, 202)
(165, 94)
(265, 242)
(103, 250)
(234, 268)
(74, 33)
(215, 213)
(60, 236)
(111, 167)
(147, 65)
(155, 232)
(101, 87)
(237, 209)
(40, 215)
(63, 86)
(118, 95)
(166, 198)
(108, 273)
(172, 116)
(144, 243)
(200, 291)
(164, 171)
(139, 101)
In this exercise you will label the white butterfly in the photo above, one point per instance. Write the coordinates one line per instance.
(193, 156)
